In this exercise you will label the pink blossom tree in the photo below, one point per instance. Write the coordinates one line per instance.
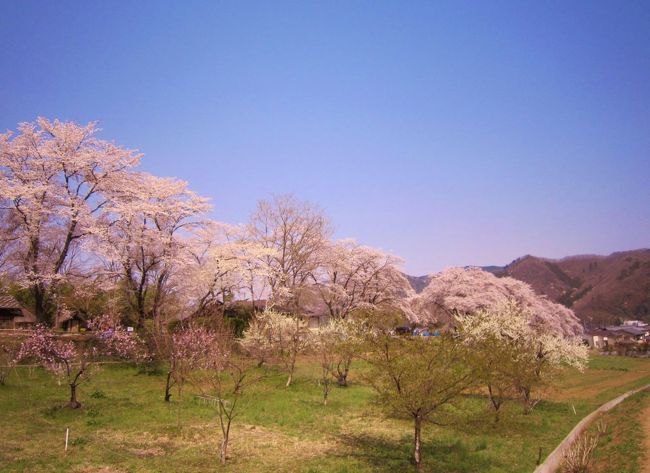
(55, 182)
(146, 236)
(295, 233)
(70, 362)
(352, 277)
(223, 265)
(220, 374)
(467, 290)
(187, 350)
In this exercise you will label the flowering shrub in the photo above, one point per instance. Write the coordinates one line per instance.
(513, 354)
(70, 362)
(285, 336)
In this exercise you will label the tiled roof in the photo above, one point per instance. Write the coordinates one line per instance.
(599, 332)
(627, 329)
(8, 302)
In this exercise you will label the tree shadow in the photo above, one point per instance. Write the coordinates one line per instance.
(451, 455)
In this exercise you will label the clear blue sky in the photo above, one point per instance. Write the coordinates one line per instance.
(448, 133)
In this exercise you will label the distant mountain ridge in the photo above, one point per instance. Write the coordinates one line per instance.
(599, 289)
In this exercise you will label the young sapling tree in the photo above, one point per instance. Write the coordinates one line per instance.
(287, 337)
(416, 377)
(221, 375)
(71, 362)
(513, 355)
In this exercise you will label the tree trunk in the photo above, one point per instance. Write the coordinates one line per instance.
(168, 387)
(417, 453)
(290, 378)
(38, 290)
(342, 374)
(141, 318)
(496, 403)
(73, 397)
(292, 367)
(326, 391)
(529, 403)
(224, 451)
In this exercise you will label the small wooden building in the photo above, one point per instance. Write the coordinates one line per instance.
(599, 338)
(13, 315)
(70, 321)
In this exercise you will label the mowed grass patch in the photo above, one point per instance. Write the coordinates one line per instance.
(125, 426)
(621, 447)
(606, 378)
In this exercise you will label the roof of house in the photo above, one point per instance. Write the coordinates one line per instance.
(597, 332)
(10, 302)
(616, 331)
(64, 316)
(628, 330)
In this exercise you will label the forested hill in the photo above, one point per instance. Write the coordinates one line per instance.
(600, 289)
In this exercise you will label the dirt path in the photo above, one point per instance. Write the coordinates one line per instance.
(645, 422)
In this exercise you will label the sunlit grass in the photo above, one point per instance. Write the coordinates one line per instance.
(125, 426)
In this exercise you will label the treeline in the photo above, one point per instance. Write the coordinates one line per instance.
(83, 230)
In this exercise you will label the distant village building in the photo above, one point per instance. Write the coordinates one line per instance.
(635, 323)
(632, 331)
(13, 315)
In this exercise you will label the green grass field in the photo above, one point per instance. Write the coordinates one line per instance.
(620, 449)
(124, 426)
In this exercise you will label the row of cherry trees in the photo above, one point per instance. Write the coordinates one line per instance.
(78, 219)
(82, 229)
(496, 350)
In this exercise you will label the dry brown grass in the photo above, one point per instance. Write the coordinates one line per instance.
(594, 382)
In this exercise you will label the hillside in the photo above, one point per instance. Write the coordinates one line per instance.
(599, 289)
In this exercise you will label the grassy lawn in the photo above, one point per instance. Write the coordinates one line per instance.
(124, 426)
(620, 449)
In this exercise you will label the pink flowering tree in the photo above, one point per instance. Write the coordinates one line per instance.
(145, 238)
(352, 278)
(223, 264)
(295, 235)
(187, 349)
(458, 291)
(217, 369)
(55, 180)
(72, 362)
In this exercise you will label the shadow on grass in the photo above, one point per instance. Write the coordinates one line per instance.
(447, 454)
